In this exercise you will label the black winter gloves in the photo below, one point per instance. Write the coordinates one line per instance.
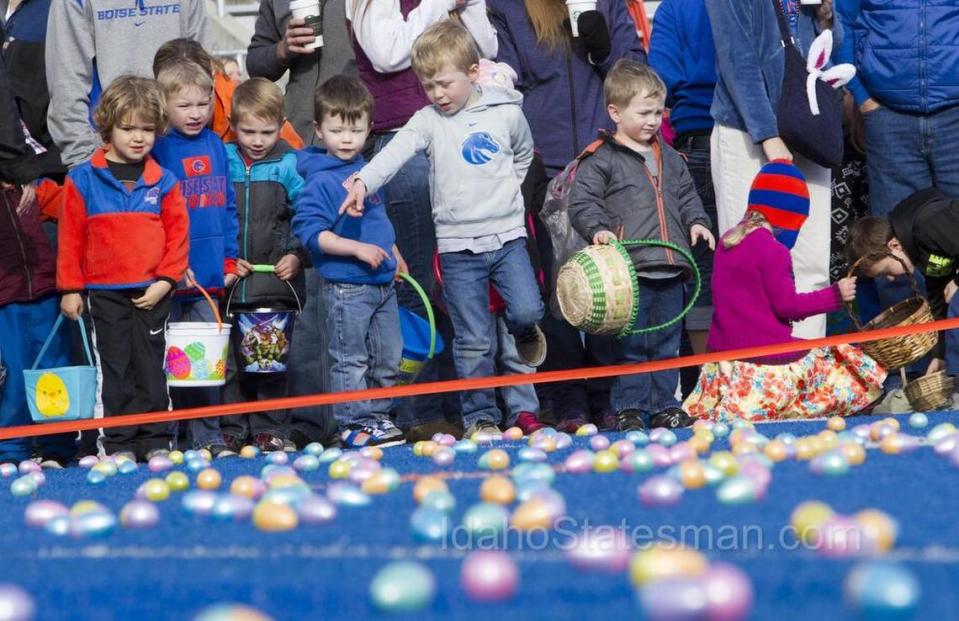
(595, 35)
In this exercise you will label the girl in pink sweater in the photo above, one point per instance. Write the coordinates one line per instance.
(756, 301)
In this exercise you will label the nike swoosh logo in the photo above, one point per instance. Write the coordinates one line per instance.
(138, 24)
(473, 124)
(155, 332)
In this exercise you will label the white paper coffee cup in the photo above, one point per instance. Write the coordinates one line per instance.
(576, 7)
(309, 10)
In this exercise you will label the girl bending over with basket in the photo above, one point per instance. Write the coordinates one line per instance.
(755, 302)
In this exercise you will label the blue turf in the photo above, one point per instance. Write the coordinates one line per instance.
(186, 563)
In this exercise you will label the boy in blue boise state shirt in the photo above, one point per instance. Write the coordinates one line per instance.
(358, 260)
(192, 152)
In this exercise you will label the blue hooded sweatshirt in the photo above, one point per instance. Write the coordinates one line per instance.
(682, 52)
(317, 210)
(562, 91)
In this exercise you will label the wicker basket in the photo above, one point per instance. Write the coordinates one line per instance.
(930, 392)
(898, 351)
(596, 290)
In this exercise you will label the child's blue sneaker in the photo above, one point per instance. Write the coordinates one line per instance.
(382, 435)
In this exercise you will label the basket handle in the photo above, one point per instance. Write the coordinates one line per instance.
(46, 343)
(850, 306)
(264, 268)
(626, 243)
(213, 305)
(429, 311)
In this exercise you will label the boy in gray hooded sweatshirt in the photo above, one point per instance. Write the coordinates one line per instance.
(479, 147)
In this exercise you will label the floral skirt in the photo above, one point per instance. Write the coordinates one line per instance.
(829, 381)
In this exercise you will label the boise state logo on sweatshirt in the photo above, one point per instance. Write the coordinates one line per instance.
(479, 148)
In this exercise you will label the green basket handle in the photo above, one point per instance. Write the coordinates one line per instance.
(429, 310)
(263, 268)
(622, 246)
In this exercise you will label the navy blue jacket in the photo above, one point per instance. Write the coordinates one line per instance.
(562, 92)
(682, 53)
(750, 60)
(906, 52)
(317, 210)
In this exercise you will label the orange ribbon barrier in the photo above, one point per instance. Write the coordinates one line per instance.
(395, 392)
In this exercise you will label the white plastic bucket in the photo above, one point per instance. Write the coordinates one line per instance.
(196, 354)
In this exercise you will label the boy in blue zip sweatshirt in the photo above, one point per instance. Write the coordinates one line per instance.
(358, 260)
(192, 152)
(265, 181)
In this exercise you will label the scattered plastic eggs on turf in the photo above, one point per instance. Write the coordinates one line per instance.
(155, 490)
(660, 491)
(494, 459)
(605, 460)
(313, 448)
(403, 586)
(489, 576)
(39, 512)
(918, 420)
(306, 463)
(882, 591)
(599, 442)
(139, 514)
(429, 524)
(16, 604)
(638, 461)
(23, 486)
(444, 456)
(250, 487)
(315, 509)
(209, 479)
(512, 434)
(603, 549)
(579, 462)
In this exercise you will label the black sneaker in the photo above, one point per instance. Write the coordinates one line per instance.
(671, 418)
(531, 346)
(220, 450)
(268, 443)
(630, 420)
(232, 442)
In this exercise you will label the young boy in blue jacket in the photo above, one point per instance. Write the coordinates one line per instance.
(358, 260)
(192, 152)
(265, 182)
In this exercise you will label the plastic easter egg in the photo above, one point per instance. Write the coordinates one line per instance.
(160, 463)
(605, 460)
(563, 441)
(23, 486)
(489, 576)
(673, 599)
(177, 481)
(403, 586)
(534, 514)
(485, 519)
(638, 438)
(316, 510)
(440, 500)
(156, 490)
(39, 512)
(530, 454)
(196, 465)
(836, 423)
(199, 502)
(306, 463)
(600, 549)
(638, 461)
(465, 447)
(729, 593)
(840, 536)
(512, 434)
(231, 612)
(274, 517)
(278, 458)
(426, 485)
(346, 495)
(879, 529)
(661, 561)
(588, 429)
(231, 508)
(313, 448)
(831, 463)
(443, 456)
(209, 479)
(918, 420)
(854, 453)
(94, 477)
(738, 490)
(579, 462)
(58, 526)
(92, 524)
(498, 490)
(807, 517)
(429, 524)
(139, 514)
(382, 482)
(599, 442)
(882, 591)
(494, 459)
(16, 604)
(372, 452)
(8, 470)
(128, 467)
(660, 491)
(176, 457)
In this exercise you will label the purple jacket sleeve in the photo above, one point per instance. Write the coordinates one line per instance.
(780, 287)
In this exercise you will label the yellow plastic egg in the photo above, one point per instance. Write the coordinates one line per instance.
(244, 486)
(495, 459)
(663, 561)
(692, 474)
(339, 469)
(700, 444)
(176, 457)
(248, 452)
(156, 490)
(209, 479)
(776, 450)
(274, 517)
(854, 452)
(807, 517)
(605, 461)
(498, 490)
(836, 423)
(178, 481)
(725, 462)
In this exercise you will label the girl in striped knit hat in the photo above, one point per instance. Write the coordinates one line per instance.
(756, 301)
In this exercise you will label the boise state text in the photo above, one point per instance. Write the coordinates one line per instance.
(202, 192)
(142, 11)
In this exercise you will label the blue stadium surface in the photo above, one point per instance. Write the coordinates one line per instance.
(187, 562)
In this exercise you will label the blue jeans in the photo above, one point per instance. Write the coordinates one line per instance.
(201, 431)
(659, 300)
(24, 328)
(907, 152)
(363, 324)
(466, 279)
(409, 208)
(521, 398)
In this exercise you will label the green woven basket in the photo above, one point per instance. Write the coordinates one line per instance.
(597, 290)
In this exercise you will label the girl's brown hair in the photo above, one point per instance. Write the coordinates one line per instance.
(547, 17)
(128, 99)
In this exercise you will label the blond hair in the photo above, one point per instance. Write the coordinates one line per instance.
(181, 74)
(130, 98)
(260, 98)
(629, 78)
(443, 43)
(547, 17)
(751, 221)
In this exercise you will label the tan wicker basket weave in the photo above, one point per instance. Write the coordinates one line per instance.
(930, 392)
(597, 291)
(898, 351)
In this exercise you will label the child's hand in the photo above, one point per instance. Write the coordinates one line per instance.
(371, 255)
(603, 237)
(71, 305)
(950, 291)
(353, 203)
(936, 365)
(190, 278)
(847, 289)
(243, 268)
(401, 266)
(776, 149)
(287, 267)
(699, 232)
(152, 296)
(229, 279)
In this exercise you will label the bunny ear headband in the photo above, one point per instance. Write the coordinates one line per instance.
(837, 76)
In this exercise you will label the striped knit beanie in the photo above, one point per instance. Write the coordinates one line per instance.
(779, 193)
